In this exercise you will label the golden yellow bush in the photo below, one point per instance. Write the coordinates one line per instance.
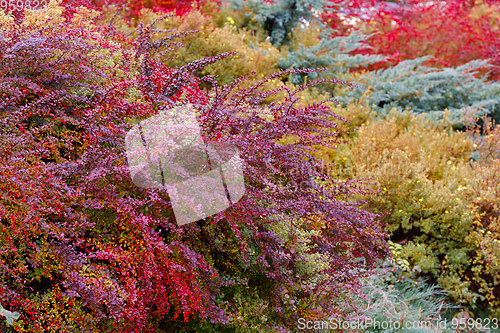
(442, 207)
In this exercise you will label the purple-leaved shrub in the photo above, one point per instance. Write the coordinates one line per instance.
(83, 249)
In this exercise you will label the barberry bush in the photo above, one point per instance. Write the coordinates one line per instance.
(83, 249)
(251, 54)
(131, 9)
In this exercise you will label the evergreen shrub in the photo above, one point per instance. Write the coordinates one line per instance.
(422, 89)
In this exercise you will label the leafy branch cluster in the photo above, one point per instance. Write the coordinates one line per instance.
(83, 249)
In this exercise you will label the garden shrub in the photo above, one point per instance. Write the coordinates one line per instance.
(314, 47)
(279, 19)
(453, 33)
(83, 249)
(392, 296)
(131, 9)
(429, 90)
(241, 18)
(250, 54)
(435, 195)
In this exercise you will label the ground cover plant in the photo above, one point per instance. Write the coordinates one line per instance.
(82, 249)
(392, 295)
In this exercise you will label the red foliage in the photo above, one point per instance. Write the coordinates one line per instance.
(447, 31)
(61, 228)
(132, 8)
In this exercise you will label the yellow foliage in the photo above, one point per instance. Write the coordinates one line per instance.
(434, 195)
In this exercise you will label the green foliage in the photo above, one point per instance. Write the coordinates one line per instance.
(392, 296)
(314, 47)
(424, 89)
(396, 250)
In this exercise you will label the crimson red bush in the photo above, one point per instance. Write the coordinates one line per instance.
(73, 229)
(452, 32)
